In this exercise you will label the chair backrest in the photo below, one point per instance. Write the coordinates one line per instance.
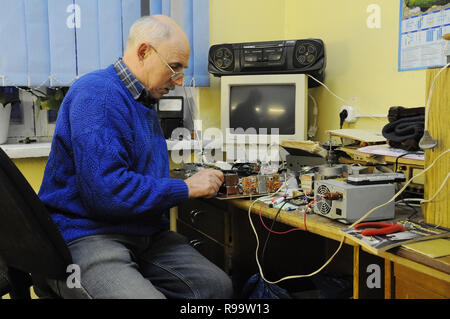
(29, 239)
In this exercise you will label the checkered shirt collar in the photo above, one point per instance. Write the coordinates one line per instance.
(136, 88)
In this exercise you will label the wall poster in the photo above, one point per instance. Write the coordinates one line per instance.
(422, 25)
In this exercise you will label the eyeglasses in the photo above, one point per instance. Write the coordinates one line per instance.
(175, 75)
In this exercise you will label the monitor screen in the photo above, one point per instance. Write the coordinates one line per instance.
(265, 109)
(262, 107)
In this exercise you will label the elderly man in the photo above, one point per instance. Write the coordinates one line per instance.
(107, 182)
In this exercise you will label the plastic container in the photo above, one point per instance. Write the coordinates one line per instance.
(5, 113)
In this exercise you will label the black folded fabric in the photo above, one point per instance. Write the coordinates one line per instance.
(405, 133)
(399, 112)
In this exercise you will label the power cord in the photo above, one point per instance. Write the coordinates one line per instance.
(287, 277)
(427, 141)
(398, 157)
(342, 115)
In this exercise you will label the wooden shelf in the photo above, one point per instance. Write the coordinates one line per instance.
(438, 211)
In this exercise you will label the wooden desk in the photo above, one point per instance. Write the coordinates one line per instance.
(226, 238)
(430, 277)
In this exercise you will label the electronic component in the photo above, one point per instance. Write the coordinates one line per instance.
(231, 179)
(296, 163)
(272, 182)
(245, 169)
(230, 185)
(232, 190)
(330, 172)
(250, 185)
(381, 178)
(347, 203)
(242, 180)
(307, 182)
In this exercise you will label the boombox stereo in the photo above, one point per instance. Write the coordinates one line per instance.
(290, 56)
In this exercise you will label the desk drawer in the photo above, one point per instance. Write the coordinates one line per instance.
(411, 284)
(204, 217)
(212, 250)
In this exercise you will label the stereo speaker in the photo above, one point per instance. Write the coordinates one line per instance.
(291, 56)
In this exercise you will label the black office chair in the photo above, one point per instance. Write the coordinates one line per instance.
(31, 247)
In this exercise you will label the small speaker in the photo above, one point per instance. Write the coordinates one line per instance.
(223, 58)
(307, 53)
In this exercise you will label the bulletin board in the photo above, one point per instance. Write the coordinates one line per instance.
(422, 25)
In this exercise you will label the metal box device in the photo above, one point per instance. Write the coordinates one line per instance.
(354, 202)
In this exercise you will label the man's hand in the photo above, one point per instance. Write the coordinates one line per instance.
(205, 183)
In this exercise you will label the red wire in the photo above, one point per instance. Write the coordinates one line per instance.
(273, 231)
(293, 229)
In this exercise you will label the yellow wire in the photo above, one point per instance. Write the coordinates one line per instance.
(435, 195)
(287, 277)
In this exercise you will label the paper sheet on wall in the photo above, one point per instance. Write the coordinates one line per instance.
(422, 25)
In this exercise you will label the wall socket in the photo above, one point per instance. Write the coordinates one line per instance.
(352, 113)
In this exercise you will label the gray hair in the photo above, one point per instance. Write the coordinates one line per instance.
(149, 29)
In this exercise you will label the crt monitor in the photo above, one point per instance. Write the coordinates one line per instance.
(255, 106)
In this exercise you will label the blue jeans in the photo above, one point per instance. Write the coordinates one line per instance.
(127, 267)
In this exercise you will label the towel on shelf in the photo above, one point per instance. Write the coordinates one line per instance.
(405, 127)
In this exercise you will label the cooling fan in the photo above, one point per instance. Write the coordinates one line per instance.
(323, 205)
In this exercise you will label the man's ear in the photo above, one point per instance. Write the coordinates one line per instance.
(143, 51)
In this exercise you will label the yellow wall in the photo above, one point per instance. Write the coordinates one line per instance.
(32, 169)
(238, 21)
(361, 62)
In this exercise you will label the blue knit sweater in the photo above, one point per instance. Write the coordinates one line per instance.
(108, 168)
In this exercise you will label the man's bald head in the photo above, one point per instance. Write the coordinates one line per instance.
(156, 49)
(154, 29)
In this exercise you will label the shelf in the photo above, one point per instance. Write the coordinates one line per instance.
(193, 145)
(43, 149)
(27, 150)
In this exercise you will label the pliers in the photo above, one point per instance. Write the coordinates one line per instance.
(379, 228)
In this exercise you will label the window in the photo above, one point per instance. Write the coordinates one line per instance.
(33, 113)
(51, 43)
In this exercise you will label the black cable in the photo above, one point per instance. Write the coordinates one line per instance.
(412, 207)
(342, 116)
(285, 201)
(434, 226)
(271, 228)
(398, 157)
